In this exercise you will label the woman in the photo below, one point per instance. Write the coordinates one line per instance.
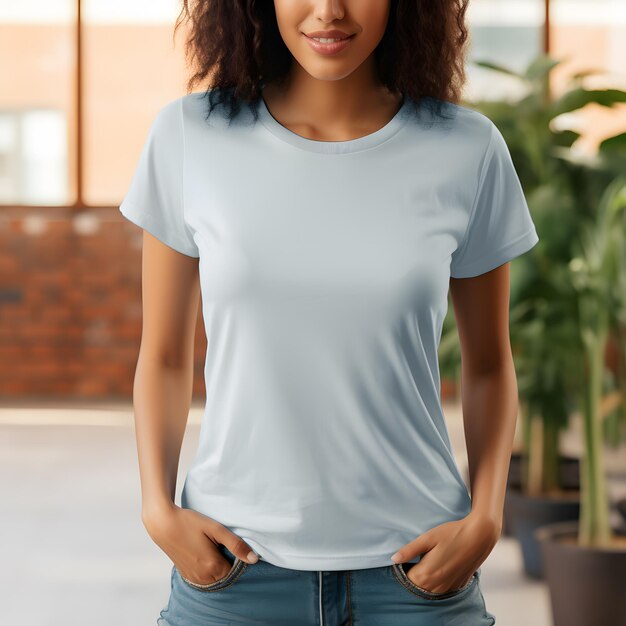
(324, 201)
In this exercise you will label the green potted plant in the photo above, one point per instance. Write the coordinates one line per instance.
(585, 561)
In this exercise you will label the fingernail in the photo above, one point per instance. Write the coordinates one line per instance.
(252, 557)
(395, 557)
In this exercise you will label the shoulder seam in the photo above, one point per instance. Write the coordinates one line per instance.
(481, 178)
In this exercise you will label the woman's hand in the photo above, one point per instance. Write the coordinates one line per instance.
(452, 551)
(191, 541)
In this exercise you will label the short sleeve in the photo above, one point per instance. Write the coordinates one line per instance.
(500, 226)
(154, 199)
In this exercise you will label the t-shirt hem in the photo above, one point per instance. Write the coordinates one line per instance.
(331, 563)
(507, 253)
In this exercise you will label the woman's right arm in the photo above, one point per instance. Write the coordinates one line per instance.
(161, 399)
(164, 376)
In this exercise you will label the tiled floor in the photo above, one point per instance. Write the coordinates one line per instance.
(74, 551)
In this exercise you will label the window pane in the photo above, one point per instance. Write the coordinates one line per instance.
(132, 68)
(504, 32)
(37, 62)
(591, 35)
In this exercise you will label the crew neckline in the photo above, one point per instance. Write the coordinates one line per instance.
(335, 147)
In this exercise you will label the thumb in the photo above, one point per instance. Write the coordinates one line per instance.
(238, 546)
(421, 544)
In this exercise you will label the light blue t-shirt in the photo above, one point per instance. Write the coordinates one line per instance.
(324, 270)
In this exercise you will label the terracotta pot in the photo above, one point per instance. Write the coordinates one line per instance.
(586, 584)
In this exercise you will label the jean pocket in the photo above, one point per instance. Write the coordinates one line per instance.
(237, 569)
(399, 571)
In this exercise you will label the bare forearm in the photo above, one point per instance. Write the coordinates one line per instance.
(161, 398)
(490, 405)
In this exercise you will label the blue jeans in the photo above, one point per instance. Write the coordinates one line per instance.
(265, 594)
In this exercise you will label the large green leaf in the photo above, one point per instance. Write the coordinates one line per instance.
(580, 97)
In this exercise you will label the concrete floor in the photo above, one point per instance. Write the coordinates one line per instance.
(74, 550)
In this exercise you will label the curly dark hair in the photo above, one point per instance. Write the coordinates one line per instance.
(238, 46)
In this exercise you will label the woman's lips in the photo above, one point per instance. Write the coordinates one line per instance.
(329, 48)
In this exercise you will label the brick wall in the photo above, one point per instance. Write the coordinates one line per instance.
(70, 304)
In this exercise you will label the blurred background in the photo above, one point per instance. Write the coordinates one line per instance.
(80, 82)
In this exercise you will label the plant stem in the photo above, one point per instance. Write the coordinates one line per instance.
(594, 526)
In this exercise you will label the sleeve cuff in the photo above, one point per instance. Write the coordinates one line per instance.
(507, 253)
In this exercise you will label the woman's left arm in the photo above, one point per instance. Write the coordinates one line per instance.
(488, 386)
(454, 550)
